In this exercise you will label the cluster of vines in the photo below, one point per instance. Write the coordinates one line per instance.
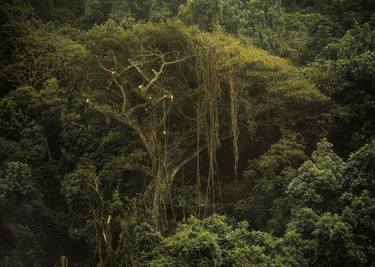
(208, 120)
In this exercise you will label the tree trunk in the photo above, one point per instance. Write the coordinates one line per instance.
(162, 184)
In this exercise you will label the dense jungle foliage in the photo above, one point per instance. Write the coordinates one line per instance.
(187, 133)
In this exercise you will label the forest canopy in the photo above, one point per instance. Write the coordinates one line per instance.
(187, 133)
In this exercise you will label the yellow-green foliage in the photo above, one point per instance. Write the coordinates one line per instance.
(227, 52)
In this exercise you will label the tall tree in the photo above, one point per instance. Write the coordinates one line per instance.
(178, 118)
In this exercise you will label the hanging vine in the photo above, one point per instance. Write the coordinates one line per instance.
(233, 94)
(211, 78)
(208, 123)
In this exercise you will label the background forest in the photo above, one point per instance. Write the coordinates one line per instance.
(187, 133)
